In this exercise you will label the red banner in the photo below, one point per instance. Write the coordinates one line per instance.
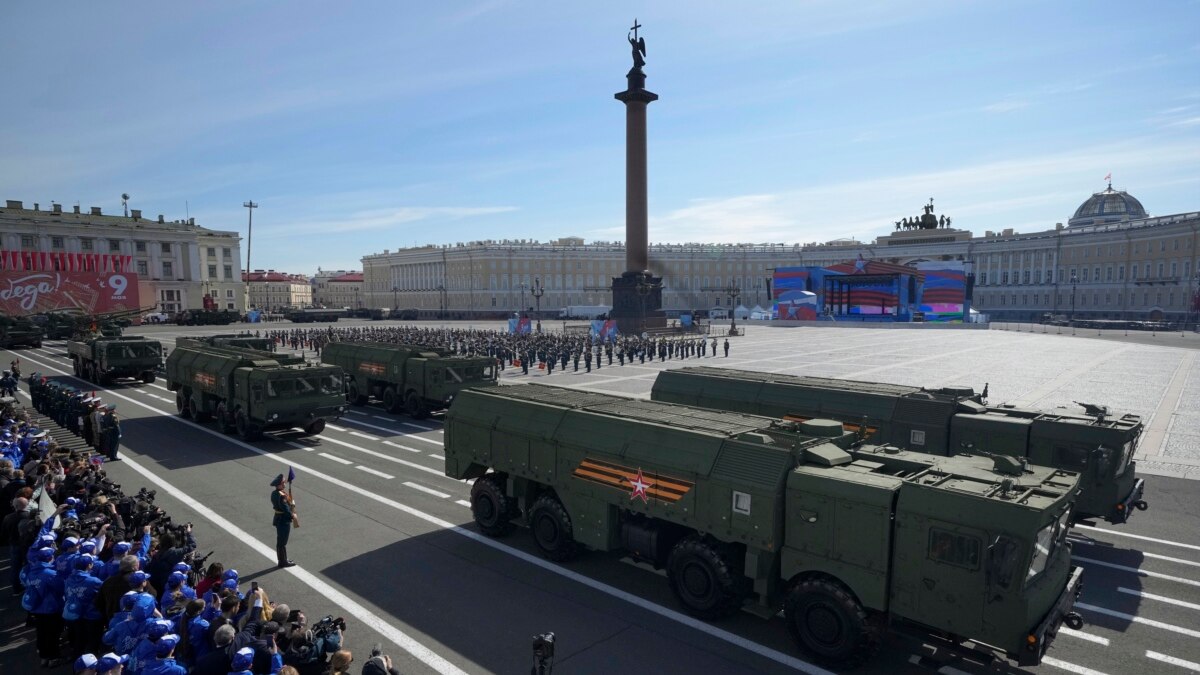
(24, 292)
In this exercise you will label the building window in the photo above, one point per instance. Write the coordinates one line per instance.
(212, 252)
(225, 253)
(228, 271)
(1026, 276)
(229, 292)
(229, 305)
(1050, 276)
(1174, 268)
(114, 246)
(139, 246)
(1084, 278)
(28, 241)
(1004, 278)
(212, 271)
(1120, 273)
(1162, 245)
(1160, 270)
(166, 247)
(1038, 276)
(1147, 271)
(1108, 273)
(142, 268)
(1133, 271)
(982, 279)
(168, 270)
(85, 244)
(1097, 275)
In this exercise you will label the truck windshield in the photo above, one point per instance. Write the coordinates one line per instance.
(1047, 541)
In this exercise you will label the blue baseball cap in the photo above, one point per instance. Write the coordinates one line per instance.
(166, 643)
(84, 561)
(128, 599)
(108, 662)
(70, 542)
(176, 578)
(138, 578)
(231, 584)
(242, 659)
(121, 548)
(45, 554)
(160, 628)
(86, 661)
(230, 574)
(87, 546)
(182, 567)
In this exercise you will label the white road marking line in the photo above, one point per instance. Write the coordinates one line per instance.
(383, 417)
(1160, 598)
(1083, 636)
(396, 460)
(427, 440)
(369, 618)
(385, 628)
(357, 412)
(463, 502)
(335, 427)
(419, 426)
(441, 457)
(1139, 619)
(369, 437)
(1190, 665)
(1167, 542)
(1069, 667)
(428, 491)
(335, 458)
(407, 436)
(373, 472)
(1155, 556)
(402, 447)
(1134, 570)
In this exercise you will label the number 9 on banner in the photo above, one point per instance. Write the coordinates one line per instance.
(118, 283)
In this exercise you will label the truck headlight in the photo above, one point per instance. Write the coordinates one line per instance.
(275, 416)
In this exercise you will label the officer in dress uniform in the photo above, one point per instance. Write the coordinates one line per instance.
(285, 517)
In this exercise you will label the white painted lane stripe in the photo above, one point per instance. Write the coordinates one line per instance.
(373, 472)
(463, 502)
(1166, 542)
(335, 458)
(1190, 665)
(1063, 630)
(406, 436)
(357, 412)
(1155, 556)
(438, 457)
(369, 618)
(383, 417)
(636, 600)
(1160, 598)
(402, 447)
(369, 437)
(412, 465)
(1069, 667)
(1139, 619)
(419, 426)
(1134, 570)
(335, 427)
(428, 491)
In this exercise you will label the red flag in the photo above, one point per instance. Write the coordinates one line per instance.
(1108, 177)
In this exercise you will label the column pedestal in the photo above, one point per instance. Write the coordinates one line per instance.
(637, 303)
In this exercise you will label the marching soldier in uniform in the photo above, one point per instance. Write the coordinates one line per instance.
(110, 433)
(285, 518)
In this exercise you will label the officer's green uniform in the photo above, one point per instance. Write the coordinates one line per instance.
(282, 522)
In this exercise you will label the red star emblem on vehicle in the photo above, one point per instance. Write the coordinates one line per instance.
(640, 485)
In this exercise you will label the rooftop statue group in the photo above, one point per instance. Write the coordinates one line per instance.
(925, 222)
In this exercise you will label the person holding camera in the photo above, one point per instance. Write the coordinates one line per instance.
(308, 650)
(379, 663)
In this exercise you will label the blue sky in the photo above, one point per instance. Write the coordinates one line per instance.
(366, 126)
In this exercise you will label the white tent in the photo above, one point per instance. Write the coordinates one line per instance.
(741, 312)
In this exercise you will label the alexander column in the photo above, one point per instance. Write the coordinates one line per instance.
(636, 294)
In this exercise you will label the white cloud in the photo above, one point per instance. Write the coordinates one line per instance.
(1005, 106)
(382, 218)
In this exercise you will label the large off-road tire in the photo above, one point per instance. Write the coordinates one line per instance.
(224, 419)
(181, 404)
(196, 409)
(829, 624)
(492, 507)
(551, 527)
(245, 428)
(704, 579)
(414, 408)
(391, 401)
(148, 377)
(354, 396)
(314, 428)
(75, 366)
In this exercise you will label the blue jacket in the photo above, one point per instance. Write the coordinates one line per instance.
(79, 594)
(164, 667)
(141, 656)
(117, 618)
(43, 590)
(123, 637)
(198, 638)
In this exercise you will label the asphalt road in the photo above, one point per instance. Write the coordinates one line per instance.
(387, 540)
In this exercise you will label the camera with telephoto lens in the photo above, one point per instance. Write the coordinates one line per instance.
(328, 625)
(543, 654)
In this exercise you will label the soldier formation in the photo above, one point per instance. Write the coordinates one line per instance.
(531, 350)
(81, 413)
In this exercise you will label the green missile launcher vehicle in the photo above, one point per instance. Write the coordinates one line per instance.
(261, 344)
(949, 420)
(103, 360)
(414, 378)
(205, 317)
(251, 391)
(19, 332)
(761, 514)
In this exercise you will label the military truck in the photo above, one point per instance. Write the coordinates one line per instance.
(314, 314)
(205, 317)
(944, 421)
(103, 360)
(234, 340)
(414, 378)
(250, 392)
(754, 513)
(19, 332)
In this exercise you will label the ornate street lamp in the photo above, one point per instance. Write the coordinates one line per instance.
(1074, 281)
(537, 293)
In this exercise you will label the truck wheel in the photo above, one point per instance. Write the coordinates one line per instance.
(224, 419)
(148, 377)
(196, 408)
(414, 407)
(75, 366)
(181, 405)
(828, 623)
(391, 402)
(244, 428)
(551, 527)
(703, 580)
(353, 395)
(314, 428)
(492, 508)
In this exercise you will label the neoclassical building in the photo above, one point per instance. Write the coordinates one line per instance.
(1111, 260)
(181, 261)
(278, 291)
